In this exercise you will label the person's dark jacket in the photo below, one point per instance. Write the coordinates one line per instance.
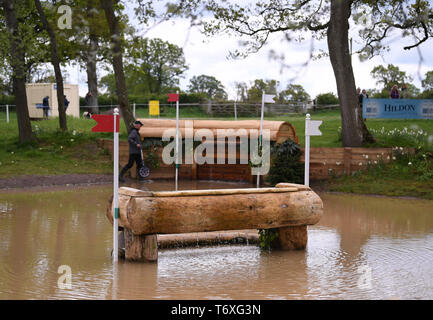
(134, 139)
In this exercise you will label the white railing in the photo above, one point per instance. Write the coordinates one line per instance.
(228, 108)
(7, 109)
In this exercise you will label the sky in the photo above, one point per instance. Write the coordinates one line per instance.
(209, 56)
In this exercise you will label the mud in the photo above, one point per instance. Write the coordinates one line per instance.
(31, 181)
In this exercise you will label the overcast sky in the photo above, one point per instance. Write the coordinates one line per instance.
(208, 56)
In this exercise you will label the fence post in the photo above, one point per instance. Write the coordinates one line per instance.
(7, 113)
(236, 112)
(133, 112)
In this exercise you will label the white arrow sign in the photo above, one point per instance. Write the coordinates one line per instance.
(312, 128)
(268, 98)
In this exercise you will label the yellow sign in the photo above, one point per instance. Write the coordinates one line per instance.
(154, 108)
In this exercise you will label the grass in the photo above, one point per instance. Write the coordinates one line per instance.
(54, 152)
(75, 151)
(408, 175)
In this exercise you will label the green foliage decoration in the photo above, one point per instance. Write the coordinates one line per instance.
(286, 165)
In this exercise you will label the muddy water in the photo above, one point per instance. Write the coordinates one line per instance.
(363, 248)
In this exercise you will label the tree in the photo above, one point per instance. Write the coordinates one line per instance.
(156, 64)
(328, 19)
(293, 93)
(427, 83)
(255, 92)
(326, 99)
(241, 91)
(17, 63)
(117, 61)
(152, 66)
(209, 86)
(387, 77)
(92, 39)
(55, 60)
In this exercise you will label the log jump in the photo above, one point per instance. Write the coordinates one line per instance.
(290, 208)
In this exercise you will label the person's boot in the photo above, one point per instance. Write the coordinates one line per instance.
(121, 179)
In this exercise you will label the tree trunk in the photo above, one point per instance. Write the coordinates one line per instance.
(354, 131)
(116, 41)
(19, 74)
(92, 78)
(91, 60)
(55, 60)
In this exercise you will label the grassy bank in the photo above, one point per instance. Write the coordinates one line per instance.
(75, 151)
(408, 175)
(53, 152)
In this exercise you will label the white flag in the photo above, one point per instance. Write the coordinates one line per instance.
(312, 128)
(268, 98)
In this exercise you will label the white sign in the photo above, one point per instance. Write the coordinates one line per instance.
(268, 98)
(312, 128)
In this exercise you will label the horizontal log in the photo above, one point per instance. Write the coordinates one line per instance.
(218, 210)
(206, 238)
(280, 130)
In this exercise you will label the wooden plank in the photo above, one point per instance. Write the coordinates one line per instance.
(347, 160)
(195, 193)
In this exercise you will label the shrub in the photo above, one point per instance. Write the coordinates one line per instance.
(326, 99)
(286, 165)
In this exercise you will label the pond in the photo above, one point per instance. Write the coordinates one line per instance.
(364, 247)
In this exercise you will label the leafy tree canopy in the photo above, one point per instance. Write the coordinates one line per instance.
(153, 66)
(326, 99)
(293, 92)
(208, 85)
(255, 92)
(427, 83)
(388, 76)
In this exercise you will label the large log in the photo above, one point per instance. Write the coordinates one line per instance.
(279, 130)
(145, 212)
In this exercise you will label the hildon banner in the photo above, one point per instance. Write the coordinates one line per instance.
(397, 108)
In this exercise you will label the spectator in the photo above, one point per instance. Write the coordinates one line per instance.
(88, 103)
(66, 103)
(394, 94)
(361, 96)
(404, 92)
(358, 94)
(46, 106)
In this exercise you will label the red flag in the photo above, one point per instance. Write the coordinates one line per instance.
(173, 97)
(105, 123)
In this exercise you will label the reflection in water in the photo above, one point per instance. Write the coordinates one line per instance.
(363, 248)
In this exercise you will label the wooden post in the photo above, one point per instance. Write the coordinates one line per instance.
(293, 238)
(143, 248)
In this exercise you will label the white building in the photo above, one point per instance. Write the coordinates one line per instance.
(36, 93)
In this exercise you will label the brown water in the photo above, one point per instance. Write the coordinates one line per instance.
(363, 248)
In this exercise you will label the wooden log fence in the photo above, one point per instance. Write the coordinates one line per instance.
(324, 164)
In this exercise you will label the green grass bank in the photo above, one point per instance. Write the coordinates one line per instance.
(75, 151)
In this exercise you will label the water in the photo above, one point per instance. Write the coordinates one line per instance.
(363, 248)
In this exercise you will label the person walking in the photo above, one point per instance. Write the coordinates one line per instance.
(134, 150)
(46, 106)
